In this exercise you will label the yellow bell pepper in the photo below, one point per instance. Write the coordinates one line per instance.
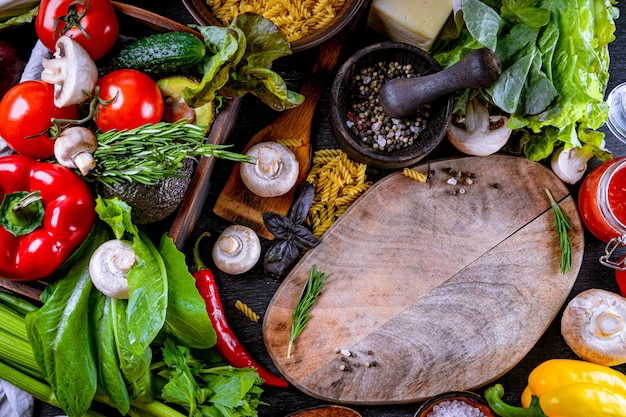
(566, 388)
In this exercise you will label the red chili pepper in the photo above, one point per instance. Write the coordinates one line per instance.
(228, 346)
(46, 212)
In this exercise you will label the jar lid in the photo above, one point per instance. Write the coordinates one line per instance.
(617, 111)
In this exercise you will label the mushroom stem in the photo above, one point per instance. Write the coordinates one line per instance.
(606, 325)
(230, 244)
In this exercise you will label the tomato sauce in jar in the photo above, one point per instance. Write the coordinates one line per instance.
(602, 200)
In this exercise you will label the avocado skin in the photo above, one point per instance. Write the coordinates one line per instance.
(153, 203)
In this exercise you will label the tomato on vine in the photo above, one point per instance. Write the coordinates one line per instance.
(91, 23)
(27, 112)
(128, 99)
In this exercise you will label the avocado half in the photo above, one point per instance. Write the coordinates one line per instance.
(175, 107)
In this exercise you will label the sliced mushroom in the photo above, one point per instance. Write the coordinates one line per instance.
(478, 133)
(593, 327)
(237, 250)
(570, 164)
(274, 172)
(109, 266)
(74, 149)
(72, 71)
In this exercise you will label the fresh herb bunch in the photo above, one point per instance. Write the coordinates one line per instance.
(200, 382)
(300, 315)
(563, 226)
(152, 152)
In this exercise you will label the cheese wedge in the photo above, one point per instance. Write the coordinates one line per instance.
(416, 22)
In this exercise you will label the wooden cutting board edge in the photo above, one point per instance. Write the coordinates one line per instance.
(562, 196)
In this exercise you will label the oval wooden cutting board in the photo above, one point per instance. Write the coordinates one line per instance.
(431, 289)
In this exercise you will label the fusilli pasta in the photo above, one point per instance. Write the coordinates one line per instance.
(296, 19)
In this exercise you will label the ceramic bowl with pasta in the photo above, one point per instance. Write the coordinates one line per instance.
(358, 122)
(306, 24)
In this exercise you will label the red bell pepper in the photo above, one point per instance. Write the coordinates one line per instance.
(228, 346)
(46, 212)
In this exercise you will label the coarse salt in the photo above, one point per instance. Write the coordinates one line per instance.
(455, 408)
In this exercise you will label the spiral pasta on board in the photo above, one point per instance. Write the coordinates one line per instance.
(338, 182)
(296, 19)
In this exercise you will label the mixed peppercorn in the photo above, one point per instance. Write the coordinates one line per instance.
(367, 119)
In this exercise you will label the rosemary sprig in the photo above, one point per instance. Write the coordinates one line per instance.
(300, 315)
(562, 226)
(152, 152)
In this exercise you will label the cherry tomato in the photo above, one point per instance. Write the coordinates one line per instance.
(134, 100)
(91, 23)
(26, 113)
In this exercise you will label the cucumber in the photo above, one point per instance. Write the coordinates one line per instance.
(162, 54)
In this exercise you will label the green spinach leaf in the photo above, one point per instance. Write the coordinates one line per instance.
(62, 337)
(186, 318)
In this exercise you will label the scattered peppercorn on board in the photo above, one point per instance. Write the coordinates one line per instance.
(434, 286)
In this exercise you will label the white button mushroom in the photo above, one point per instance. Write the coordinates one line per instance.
(236, 250)
(593, 327)
(72, 71)
(74, 149)
(478, 133)
(274, 172)
(109, 265)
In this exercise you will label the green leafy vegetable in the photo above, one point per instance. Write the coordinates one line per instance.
(58, 332)
(147, 280)
(110, 376)
(555, 61)
(301, 313)
(17, 12)
(186, 317)
(198, 381)
(239, 59)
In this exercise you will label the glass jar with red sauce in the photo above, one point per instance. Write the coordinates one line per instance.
(602, 206)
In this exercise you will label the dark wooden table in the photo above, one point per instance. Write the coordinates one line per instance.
(255, 289)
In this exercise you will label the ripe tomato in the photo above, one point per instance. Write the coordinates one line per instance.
(91, 23)
(136, 100)
(26, 113)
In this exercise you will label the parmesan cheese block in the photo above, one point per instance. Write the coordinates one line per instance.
(416, 22)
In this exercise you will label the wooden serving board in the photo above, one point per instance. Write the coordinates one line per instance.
(436, 291)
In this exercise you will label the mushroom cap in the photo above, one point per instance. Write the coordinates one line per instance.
(109, 265)
(72, 71)
(593, 327)
(275, 171)
(236, 250)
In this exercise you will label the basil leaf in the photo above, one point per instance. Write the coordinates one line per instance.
(301, 202)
